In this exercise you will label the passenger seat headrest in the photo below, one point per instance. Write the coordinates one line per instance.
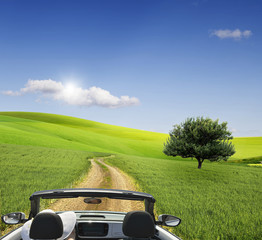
(46, 225)
(138, 224)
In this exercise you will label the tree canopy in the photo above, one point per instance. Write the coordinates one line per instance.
(200, 138)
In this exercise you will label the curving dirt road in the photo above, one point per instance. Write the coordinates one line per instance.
(102, 175)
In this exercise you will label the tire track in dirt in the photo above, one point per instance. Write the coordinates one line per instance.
(93, 179)
(120, 180)
(98, 178)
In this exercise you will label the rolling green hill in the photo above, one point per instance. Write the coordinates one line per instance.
(45, 151)
(50, 130)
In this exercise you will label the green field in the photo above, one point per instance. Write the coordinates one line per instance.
(57, 131)
(45, 151)
(220, 201)
(26, 169)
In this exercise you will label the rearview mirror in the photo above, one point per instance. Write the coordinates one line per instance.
(92, 200)
(169, 220)
(13, 218)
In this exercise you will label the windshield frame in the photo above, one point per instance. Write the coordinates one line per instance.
(90, 192)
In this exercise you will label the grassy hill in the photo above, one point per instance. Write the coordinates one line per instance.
(45, 151)
(50, 130)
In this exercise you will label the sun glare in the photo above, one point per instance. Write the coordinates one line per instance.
(70, 88)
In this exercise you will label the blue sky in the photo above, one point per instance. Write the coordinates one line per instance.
(145, 64)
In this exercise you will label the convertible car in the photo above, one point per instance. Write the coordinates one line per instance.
(79, 214)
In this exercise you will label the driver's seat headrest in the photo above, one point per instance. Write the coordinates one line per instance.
(46, 225)
(138, 224)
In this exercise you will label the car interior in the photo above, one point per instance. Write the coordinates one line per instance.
(93, 224)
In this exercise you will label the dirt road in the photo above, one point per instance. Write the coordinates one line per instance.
(102, 175)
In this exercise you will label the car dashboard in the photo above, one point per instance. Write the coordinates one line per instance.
(99, 225)
(108, 225)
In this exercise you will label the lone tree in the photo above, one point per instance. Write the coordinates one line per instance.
(200, 138)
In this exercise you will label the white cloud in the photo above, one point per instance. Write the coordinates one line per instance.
(73, 95)
(11, 93)
(45, 86)
(234, 34)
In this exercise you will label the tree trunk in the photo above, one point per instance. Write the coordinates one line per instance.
(199, 163)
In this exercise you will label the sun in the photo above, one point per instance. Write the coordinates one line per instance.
(70, 89)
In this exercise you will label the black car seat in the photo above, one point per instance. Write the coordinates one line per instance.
(46, 225)
(138, 224)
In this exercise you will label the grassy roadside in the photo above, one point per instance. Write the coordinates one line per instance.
(26, 169)
(218, 202)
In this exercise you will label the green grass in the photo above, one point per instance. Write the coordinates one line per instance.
(247, 147)
(45, 151)
(48, 130)
(56, 131)
(217, 202)
(252, 160)
(26, 169)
